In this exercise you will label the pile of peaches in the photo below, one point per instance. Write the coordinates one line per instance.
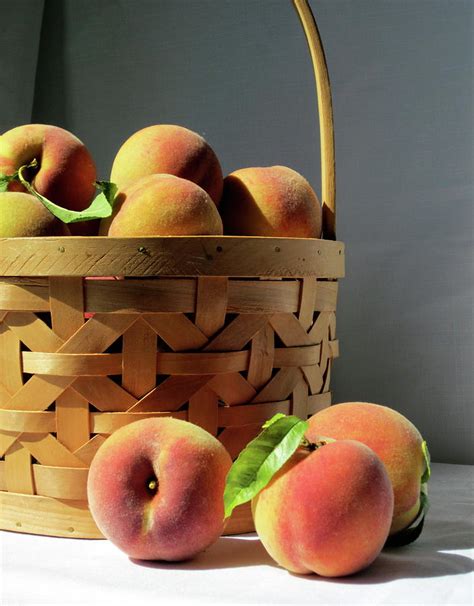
(168, 182)
(326, 494)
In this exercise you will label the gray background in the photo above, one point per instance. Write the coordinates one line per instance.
(238, 72)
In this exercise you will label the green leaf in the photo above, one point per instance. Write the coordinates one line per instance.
(279, 415)
(100, 207)
(411, 533)
(426, 453)
(261, 459)
(5, 180)
(109, 190)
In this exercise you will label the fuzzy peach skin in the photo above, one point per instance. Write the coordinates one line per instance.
(22, 215)
(163, 205)
(389, 434)
(66, 172)
(184, 514)
(171, 149)
(327, 512)
(270, 201)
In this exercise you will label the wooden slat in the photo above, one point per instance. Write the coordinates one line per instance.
(88, 450)
(319, 330)
(38, 393)
(232, 388)
(177, 331)
(332, 325)
(325, 355)
(307, 302)
(202, 410)
(17, 470)
(236, 438)
(240, 522)
(314, 377)
(71, 365)
(264, 296)
(139, 359)
(280, 386)
(261, 357)
(98, 333)
(72, 419)
(67, 305)
(46, 516)
(10, 360)
(326, 296)
(166, 295)
(251, 413)
(290, 330)
(211, 304)
(202, 363)
(104, 394)
(183, 256)
(296, 356)
(24, 294)
(299, 400)
(57, 482)
(27, 421)
(334, 349)
(318, 401)
(48, 451)
(327, 378)
(4, 396)
(108, 422)
(7, 438)
(238, 333)
(162, 295)
(171, 394)
(33, 332)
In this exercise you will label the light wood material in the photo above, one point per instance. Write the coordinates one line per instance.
(326, 126)
(171, 256)
(220, 331)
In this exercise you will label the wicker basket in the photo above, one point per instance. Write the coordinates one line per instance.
(221, 331)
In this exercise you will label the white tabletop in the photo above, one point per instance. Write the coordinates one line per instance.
(436, 569)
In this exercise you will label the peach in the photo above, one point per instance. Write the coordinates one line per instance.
(155, 489)
(326, 511)
(23, 215)
(392, 437)
(170, 149)
(270, 201)
(163, 205)
(66, 171)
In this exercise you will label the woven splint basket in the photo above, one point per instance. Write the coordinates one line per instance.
(220, 331)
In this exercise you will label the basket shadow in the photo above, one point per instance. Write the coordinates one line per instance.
(227, 552)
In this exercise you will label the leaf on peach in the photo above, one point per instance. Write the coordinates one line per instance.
(100, 208)
(261, 459)
(426, 454)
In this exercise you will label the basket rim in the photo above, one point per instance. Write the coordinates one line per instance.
(174, 256)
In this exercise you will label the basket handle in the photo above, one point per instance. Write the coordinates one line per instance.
(326, 126)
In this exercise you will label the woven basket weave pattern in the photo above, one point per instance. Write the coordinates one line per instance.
(221, 331)
(227, 356)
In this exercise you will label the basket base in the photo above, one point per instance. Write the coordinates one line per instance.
(35, 514)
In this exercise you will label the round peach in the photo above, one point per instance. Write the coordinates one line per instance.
(22, 215)
(155, 489)
(170, 149)
(270, 201)
(163, 205)
(328, 511)
(392, 437)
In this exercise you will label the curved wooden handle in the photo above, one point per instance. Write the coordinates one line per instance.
(326, 126)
